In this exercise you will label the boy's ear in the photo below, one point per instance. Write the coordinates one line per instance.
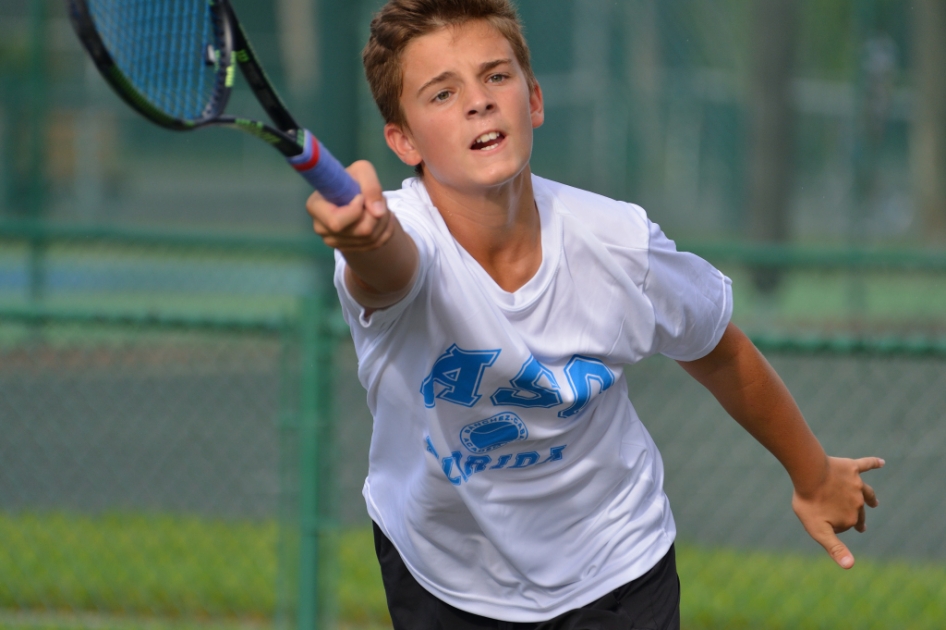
(401, 142)
(536, 106)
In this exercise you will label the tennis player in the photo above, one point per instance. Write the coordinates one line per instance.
(511, 482)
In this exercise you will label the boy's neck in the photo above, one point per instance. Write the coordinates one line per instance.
(499, 227)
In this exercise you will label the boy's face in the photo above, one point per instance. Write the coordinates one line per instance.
(468, 107)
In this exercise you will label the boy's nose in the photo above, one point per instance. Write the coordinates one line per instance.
(480, 103)
(483, 108)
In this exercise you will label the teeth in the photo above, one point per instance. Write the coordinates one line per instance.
(486, 137)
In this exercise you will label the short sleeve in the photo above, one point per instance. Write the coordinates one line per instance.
(381, 319)
(692, 300)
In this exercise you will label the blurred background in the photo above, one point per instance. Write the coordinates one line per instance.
(183, 438)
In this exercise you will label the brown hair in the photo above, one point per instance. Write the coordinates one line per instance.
(401, 21)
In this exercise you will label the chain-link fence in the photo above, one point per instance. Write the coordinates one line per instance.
(143, 483)
(746, 560)
(166, 452)
(162, 456)
(169, 357)
(140, 473)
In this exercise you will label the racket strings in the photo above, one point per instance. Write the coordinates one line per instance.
(161, 48)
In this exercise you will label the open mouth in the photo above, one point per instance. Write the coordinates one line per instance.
(488, 141)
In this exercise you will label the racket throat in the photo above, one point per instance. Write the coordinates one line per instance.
(286, 142)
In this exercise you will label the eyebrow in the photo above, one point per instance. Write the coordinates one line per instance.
(443, 76)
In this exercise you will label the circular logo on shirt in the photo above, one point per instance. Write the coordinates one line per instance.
(493, 432)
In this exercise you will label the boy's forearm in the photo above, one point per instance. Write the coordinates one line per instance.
(382, 276)
(830, 494)
(747, 387)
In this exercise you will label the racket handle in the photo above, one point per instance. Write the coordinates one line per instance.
(324, 172)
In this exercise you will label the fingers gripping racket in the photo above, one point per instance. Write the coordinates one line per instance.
(174, 62)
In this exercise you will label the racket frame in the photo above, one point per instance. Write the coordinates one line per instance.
(235, 50)
(84, 26)
(302, 150)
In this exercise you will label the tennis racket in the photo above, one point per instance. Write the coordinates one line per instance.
(174, 61)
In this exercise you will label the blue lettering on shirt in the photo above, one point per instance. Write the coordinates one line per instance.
(582, 372)
(501, 463)
(524, 460)
(555, 454)
(459, 469)
(456, 377)
(476, 463)
(458, 372)
(527, 389)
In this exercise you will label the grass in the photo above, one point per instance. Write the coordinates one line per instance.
(73, 621)
(93, 621)
(169, 571)
(163, 572)
(735, 589)
(138, 564)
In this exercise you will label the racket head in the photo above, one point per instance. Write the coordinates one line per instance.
(171, 60)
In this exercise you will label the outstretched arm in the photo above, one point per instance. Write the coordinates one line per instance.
(829, 494)
(382, 259)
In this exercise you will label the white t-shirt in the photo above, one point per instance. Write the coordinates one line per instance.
(507, 464)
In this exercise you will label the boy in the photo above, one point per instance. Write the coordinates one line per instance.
(511, 482)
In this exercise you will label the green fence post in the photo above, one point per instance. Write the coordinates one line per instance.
(308, 466)
(315, 601)
(36, 184)
(287, 580)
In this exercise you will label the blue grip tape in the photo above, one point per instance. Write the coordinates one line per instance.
(324, 172)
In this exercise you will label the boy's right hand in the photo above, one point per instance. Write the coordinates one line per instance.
(382, 259)
(363, 225)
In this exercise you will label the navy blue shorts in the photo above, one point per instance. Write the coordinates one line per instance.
(652, 601)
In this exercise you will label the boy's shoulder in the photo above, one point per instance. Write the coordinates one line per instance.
(613, 222)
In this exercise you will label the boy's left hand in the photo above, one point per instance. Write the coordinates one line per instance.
(829, 493)
(837, 504)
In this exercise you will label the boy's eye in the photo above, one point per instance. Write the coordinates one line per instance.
(442, 96)
(497, 78)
